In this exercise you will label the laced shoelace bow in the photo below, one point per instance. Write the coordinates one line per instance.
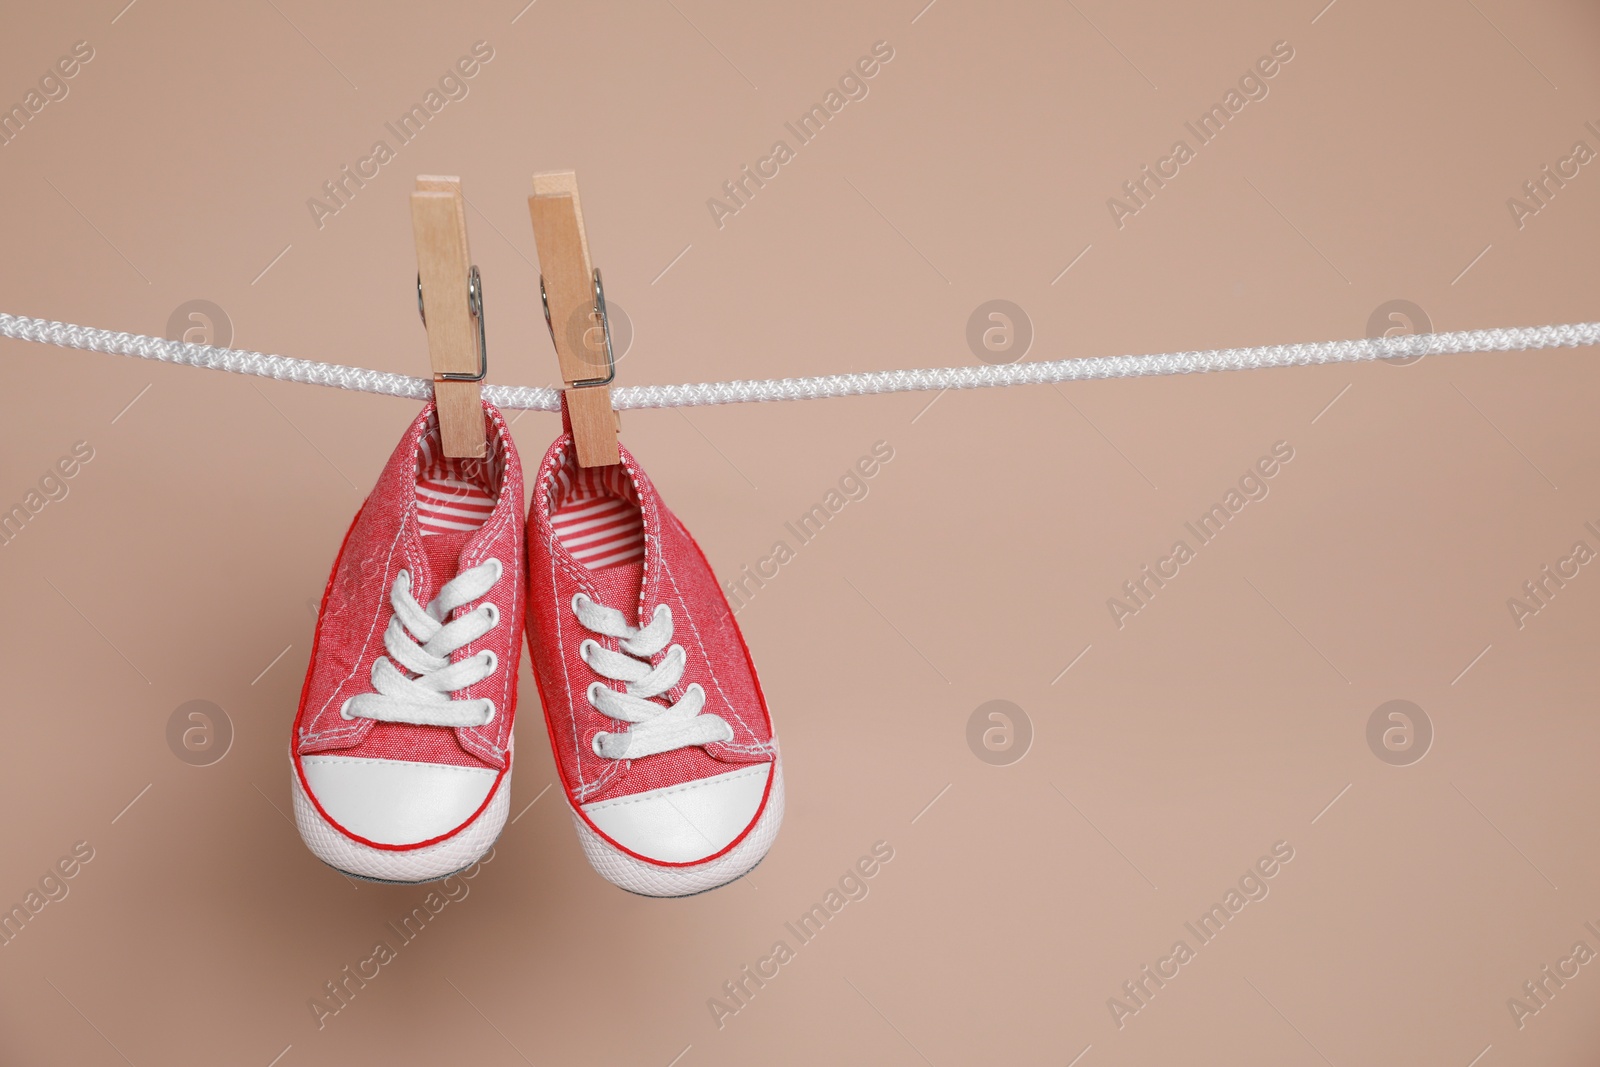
(654, 726)
(419, 640)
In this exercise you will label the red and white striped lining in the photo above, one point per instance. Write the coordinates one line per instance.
(455, 495)
(594, 513)
(450, 504)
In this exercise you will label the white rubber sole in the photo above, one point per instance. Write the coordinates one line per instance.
(408, 866)
(652, 880)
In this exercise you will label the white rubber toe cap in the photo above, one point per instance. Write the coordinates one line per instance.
(684, 823)
(395, 802)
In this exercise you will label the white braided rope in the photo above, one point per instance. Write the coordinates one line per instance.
(629, 397)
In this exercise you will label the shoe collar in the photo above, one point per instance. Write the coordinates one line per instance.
(422, 452)
(558, 472)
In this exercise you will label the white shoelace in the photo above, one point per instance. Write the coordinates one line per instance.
(655, 727)
(419, 640)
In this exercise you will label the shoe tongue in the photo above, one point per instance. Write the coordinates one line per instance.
(444, 550)
(618, 585)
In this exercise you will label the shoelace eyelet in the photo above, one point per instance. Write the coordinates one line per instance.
(408, 683)
(344, 710)
(654, 722)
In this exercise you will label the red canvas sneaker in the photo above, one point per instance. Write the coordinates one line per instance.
(660, 731)
(402, 747)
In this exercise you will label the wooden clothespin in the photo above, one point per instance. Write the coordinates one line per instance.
(450, 298)
(575, 310)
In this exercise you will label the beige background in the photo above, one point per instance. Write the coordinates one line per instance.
(1228, 715)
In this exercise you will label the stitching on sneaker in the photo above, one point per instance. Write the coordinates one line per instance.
(700, 644)
(390, 763)
(566, 677)
(650, 502)
(471, 740)
(609, 772)
(341, 732)
(636, 798)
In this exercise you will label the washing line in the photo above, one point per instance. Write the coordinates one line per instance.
(699, 394)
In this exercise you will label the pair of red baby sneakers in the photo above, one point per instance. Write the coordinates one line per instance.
(402, 747)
